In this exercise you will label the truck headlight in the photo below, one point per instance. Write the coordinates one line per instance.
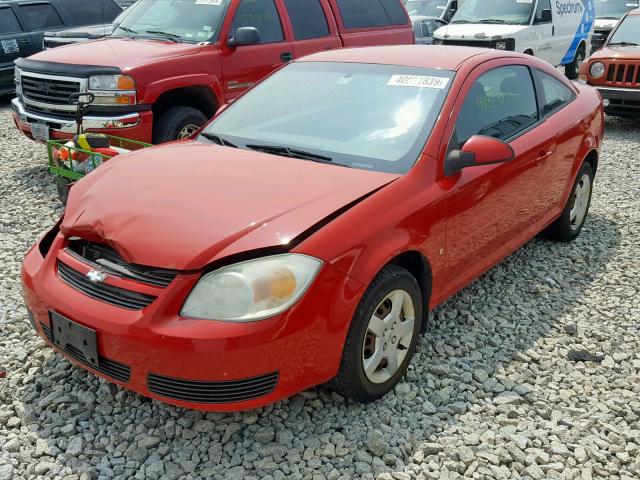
(113, 90)
(252, 290)
(438, 41)
(597, 69)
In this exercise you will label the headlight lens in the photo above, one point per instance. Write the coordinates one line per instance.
(112, 82)
(252, 290)
(597, 69)
(437, 41)
(501, 45)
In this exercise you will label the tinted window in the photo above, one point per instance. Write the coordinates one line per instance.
(307, 18)
(500, 103)
(371, 13)
(8, 21)
(40, 16)
(555, 93)
(92, 11)
(542, 5)
(261, 14)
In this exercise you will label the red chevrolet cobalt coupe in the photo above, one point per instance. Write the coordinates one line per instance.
(305, 234)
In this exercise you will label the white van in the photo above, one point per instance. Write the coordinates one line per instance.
(440, 9)
(558, 31)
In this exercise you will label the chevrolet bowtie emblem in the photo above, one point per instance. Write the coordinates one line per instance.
(95, 276)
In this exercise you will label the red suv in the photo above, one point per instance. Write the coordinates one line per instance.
(171, 64)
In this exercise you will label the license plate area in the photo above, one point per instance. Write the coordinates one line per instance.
(71, 336)
(40, 131)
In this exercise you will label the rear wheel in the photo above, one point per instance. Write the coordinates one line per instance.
(382, 338)
(177, 123)
(571, 70)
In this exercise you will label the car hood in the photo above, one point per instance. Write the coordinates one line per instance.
(184, 205)
(617, 53)
(123, 53)
(90, 31)
(605, 23)
(480, 31)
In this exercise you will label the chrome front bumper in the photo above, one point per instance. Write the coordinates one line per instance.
(64, 125)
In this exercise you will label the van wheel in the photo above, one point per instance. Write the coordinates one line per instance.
(177, 123)
(528, 52)
(572, 69)
(382, 337)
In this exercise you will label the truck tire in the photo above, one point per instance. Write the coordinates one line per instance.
(571, 70)
(176, 123)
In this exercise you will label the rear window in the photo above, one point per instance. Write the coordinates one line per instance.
(8, 21)
(38, 16)
(91, 11)
(307, 18)
(371, 13)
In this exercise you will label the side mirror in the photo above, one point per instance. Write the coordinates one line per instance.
(479, 150)
(545, 16)
(245, 36)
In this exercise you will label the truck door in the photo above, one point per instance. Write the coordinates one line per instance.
(36, 17)
(246, 58)
(546, 38)
(14, 43)
(313, 27)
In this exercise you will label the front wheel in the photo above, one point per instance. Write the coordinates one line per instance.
(177, 123)
(569, 225)
(572, 69)
(382, 338)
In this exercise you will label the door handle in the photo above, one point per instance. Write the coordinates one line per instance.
(286, 57)
(24, 40)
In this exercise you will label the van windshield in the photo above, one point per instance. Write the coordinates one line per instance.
(426, 8)
(613, 9)
(175, 20)
(628, 33)
(512, 12)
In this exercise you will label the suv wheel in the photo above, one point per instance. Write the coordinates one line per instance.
(177, 123)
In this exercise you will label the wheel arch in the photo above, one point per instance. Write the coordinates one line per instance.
(593, 158)
(200, 97)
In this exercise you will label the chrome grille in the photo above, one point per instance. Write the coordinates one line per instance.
(49, 89)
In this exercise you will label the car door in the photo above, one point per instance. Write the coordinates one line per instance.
(244, 66)
(313, 28)
(13, 43)
(546, 42)
(492, 208)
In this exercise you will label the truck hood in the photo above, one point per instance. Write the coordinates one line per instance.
(616, 53)
(122, 53)
(184, 205)
(480, 31)
(605, 23)
(90, 31)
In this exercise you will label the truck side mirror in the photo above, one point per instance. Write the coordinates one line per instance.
(245, 36)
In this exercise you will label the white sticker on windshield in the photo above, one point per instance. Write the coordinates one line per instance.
(418, 81)
(208, 2)
(524, 1)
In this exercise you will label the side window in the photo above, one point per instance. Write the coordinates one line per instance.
(501, 103)
(8, 21)
(308, 19)
(429, 27)
(555, 93)
(84, 12)
(261, 14)
(39, 16)
(371, 13)
(542, 5)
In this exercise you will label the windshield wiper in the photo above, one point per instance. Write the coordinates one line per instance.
(128, 30)
(294, 153)
(623, 44)
(169, 36)
(218, 139)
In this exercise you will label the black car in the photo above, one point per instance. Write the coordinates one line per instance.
(23, 23)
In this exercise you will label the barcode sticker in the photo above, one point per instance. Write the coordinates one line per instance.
(418, 81)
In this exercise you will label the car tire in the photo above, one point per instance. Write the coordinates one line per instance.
(393, 286)
(177, 123)
(569, 225)
(571, 70)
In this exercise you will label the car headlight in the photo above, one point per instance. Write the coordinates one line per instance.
(597, 69)
(112, 82)
(502, 45)
(252, 290)
(437, 41)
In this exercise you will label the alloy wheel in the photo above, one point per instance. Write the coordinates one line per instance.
(187, 131)
(580, 202)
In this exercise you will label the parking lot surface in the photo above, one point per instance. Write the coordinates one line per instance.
(497, 389)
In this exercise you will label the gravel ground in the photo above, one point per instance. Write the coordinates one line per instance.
(496, 389)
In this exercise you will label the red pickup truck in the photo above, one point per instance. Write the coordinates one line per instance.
(171, 64)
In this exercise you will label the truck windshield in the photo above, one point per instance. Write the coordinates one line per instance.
(628, 33)
(426, 8)
(176, 20)
(512, 12)
(613, 9)
(371, 117)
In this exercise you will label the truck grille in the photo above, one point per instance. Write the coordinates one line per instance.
(105, 293)
(213, 392)
(57, 43)
(470, 43)
(48, 90)
(623, 74)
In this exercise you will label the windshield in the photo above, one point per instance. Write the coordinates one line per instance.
(372, 117)
(513, 12)
(628, 32)
(614, 9)
(178, 20)
(426, 8)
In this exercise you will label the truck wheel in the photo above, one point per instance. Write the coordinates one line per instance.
(177, 123)
(572, 69)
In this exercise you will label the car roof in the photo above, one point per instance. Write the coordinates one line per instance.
(422, 56)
